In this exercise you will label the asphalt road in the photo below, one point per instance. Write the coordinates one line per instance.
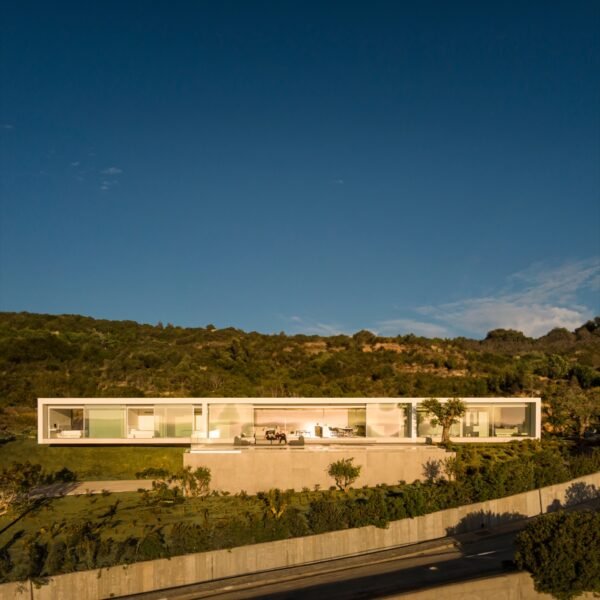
(375, 575)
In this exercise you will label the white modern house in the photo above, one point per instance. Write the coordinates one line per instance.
(318, 421)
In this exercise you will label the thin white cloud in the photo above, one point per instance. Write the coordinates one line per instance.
(7, 126)
(75, 163)
(107, 184)
(311, 327)
(338, 181)
(481, 315)
(112, 171)
(534, 301)
(393, 327)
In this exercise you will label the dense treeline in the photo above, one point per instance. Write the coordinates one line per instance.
(69, 355)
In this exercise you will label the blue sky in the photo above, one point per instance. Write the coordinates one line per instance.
(315, 167)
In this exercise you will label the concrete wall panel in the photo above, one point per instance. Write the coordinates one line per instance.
(573, 491)
(258, 469)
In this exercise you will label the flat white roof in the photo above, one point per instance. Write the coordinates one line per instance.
(274, 401)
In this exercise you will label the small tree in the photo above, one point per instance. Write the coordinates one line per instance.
(193, 483)
(344, 473)
(276, 502)
(445, 414)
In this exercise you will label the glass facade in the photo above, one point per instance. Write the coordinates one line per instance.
(65, 422)
(105, 422)
(484, 421)
(388, 420)
(311, 421)
(513, 420)
(228, 420)
(425, 427)
(140, 422)
(172, 421)
(478, 421)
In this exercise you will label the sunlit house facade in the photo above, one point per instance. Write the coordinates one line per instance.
(316, 420)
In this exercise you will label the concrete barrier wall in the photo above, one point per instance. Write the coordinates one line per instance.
(258, 469)
(205, 566)
(580, 490)
(19, 590)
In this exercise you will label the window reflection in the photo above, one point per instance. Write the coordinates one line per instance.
(312, 421)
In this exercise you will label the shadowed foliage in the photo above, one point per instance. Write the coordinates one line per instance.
(484, 519)
(562, 552)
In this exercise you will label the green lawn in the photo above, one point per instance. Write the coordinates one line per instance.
(92, 462)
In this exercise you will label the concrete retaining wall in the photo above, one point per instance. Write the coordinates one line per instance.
(205, 566)
(258, 469)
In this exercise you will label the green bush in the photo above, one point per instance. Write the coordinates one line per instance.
(152, 546)
(152, 473)
(187, 538)
(327, 514)
(562, 552)
(371, 510)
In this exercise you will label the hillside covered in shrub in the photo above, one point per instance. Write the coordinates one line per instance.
(75, 356)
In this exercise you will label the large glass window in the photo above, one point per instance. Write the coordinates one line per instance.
(477, 421)
(311, 421)
(388, 420)
(425, 427)
(512, 420)
(105, 421)
(65, 422)
(173, 420)
(230, 420)
(140, 422)
(485, 420)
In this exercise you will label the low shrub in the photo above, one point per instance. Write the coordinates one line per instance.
(562, 552)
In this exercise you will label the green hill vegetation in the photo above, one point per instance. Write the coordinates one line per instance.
(75, 356)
